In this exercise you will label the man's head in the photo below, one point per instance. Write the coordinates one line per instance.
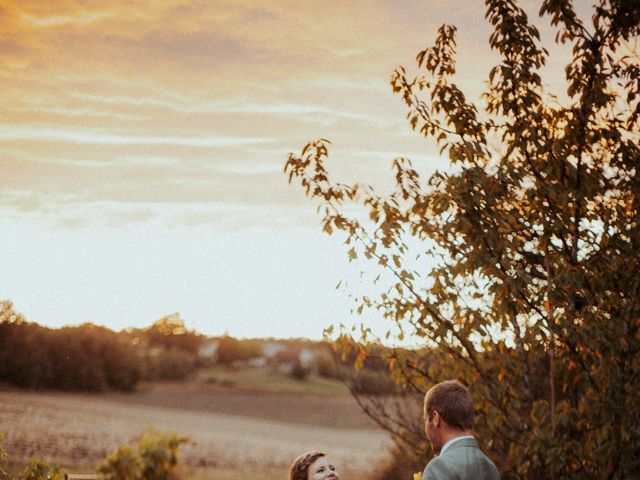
(448, 413)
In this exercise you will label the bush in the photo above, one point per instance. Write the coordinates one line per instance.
(159, 453)
(171, 365)
(299, 372)
(371, 382)
(231, 350)
(36, 470)
(326, 366)
(155, 459)
(122, 464)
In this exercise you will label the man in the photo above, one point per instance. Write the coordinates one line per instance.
(448, 420)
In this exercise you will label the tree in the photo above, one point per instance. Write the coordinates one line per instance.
(170, 333)
(231, 350)
(85, 357)
(532, 296)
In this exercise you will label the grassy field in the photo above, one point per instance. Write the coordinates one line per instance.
(265, 379)
(236, 432)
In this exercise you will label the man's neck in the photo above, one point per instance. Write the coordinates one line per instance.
(452, 436)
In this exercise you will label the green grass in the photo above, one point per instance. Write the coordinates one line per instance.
(267, 380)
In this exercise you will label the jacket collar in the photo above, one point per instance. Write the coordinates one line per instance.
(464, 441)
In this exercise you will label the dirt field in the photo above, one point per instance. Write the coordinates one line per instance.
(234, 433)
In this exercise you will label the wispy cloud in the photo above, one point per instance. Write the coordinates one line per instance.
(296, 111)
(190, 100)
(78, 18)
(52, 134)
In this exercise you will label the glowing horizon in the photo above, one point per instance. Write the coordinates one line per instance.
(142, 147)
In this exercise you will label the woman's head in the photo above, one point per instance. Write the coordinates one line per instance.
(312, 466)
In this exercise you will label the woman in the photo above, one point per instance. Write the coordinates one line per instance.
(313, 466)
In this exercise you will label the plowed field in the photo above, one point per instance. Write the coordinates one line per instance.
(233, 433)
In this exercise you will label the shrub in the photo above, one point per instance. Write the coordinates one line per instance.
(122, 464)
(155, 458)
(299, 372)
(372, 382)
(159, 453)
(171, 365)
(36, 470)
(326, 366)
(231, 350)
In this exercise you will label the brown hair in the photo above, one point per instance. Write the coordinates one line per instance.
(453, 403)
(299, 469)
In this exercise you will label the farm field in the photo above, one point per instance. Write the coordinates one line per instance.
(235, 433)
(267, 380)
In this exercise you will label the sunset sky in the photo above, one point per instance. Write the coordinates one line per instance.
(142, 147)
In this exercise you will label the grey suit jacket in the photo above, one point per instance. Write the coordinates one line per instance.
(463, 460)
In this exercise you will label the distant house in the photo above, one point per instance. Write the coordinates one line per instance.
(208, 349)
(306, 357)
(257, 362)
(287, 357)
(272, 349)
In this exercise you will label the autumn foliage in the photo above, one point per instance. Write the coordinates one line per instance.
(531, 290)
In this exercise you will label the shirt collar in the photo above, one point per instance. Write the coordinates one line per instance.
(450, 442)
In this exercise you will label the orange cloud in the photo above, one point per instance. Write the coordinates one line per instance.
(124, 93)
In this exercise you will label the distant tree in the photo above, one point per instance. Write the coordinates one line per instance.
(326, 364)
(171, 365)
(86, 357)
(170, 332)
(532, 296)
(232, 350)
(8, 314)
(288, 354)
(298, 371)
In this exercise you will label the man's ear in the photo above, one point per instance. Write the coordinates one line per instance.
(437, 419)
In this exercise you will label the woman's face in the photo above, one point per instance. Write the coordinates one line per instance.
(322, 469)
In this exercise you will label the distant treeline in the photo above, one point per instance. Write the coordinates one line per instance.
(87, 357)
(93, 358)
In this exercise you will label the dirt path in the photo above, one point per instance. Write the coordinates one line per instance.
(78, 429)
